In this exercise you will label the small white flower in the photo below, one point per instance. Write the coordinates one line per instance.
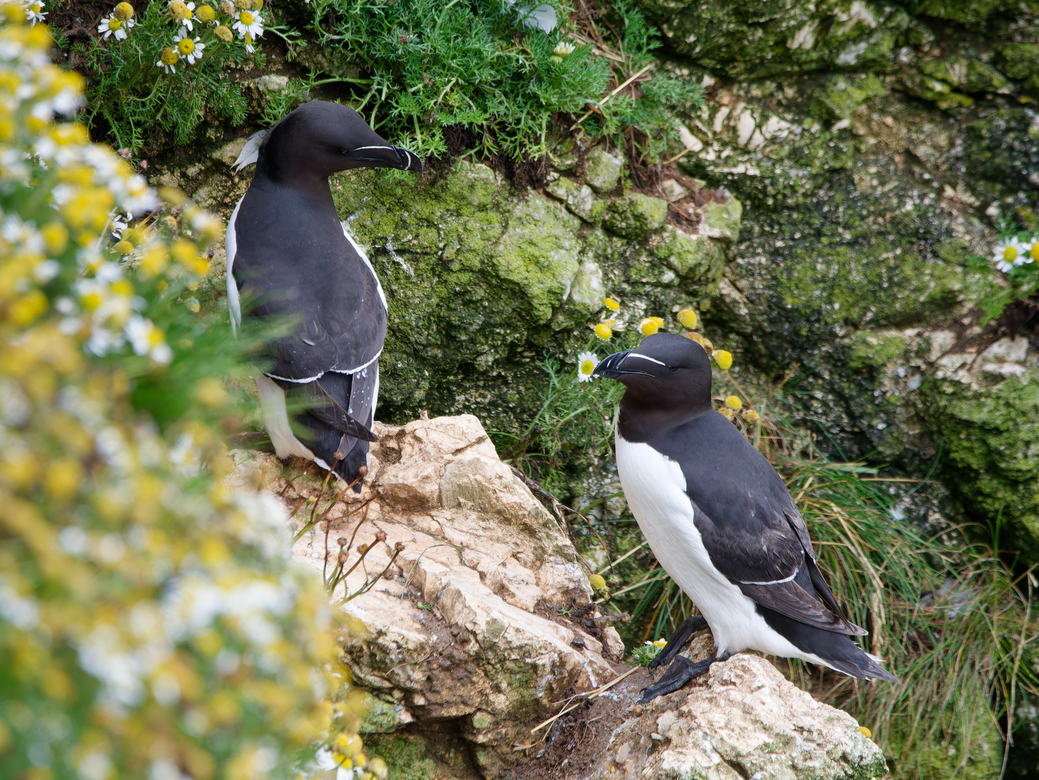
(248, 25)
(586, 363)
(187, 47)
(189, 20)
(34, 12)
(113, 25)
(563, 49)
(168, 61)
(1009, 253)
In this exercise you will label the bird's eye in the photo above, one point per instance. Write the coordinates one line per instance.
(672, 369)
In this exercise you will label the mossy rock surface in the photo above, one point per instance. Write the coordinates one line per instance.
(990, 438)
(485, 282)
(753, 40)
(1003, 152)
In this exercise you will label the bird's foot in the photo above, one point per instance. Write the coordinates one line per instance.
(678, 640)
(681, 671)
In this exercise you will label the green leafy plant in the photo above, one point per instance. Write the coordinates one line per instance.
(168, 67)
(149, 614)
(498, 72)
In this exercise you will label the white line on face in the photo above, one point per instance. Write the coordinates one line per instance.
(646, 357)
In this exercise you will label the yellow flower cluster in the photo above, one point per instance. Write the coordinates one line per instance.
(150, 622)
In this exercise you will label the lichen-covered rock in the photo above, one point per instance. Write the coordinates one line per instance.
(988, 426)
(752, 40)
(740, 720)
(1003, 152)
(602, 170)
(635, 216)
(484, 282)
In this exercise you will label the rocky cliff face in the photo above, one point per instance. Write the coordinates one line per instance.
(476, 624)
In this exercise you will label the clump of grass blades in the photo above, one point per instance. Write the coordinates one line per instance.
(949, 616)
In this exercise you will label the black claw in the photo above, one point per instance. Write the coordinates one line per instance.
(678, 640)
(681, 671)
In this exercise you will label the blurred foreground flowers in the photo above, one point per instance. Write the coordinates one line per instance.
(151, 623)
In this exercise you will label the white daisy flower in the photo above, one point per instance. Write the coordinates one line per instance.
(168, 61)
(187, 47)
(1009, 253)
(248, 25)
(586, 363)
(563, 49)
(34, 12)
(113, 25)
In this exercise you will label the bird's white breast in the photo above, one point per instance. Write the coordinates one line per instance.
(654, 487)
(234, 304)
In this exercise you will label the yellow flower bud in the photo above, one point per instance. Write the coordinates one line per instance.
(124, 248)
(751, 416)
(726, 413)
(224, 33)
(688, 318)
(226, 7)
(706, 344)
(734, 403)
(169, 56)
(611, 304)
(648, 327)
(866, 732)
(123, 11)
(205, 14)
(723, 359)
(178, 10)
(597, 581)
(603, 331)
(692, 335)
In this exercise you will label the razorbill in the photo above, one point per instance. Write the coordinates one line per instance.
(294, 265)
(720, 521)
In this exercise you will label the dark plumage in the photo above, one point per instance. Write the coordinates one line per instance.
(290, 259)
(720, 521)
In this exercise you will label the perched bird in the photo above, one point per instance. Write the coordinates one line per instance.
(293, 263)
(720, 521)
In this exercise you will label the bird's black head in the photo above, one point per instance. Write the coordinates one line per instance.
(320, 138)
(668, 378)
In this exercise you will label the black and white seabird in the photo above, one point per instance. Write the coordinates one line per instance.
(291, 260)
(720, 521)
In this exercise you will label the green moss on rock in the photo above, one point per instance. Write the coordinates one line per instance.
(874, 350)
(990, 440)
(841, 95)
(1021, 63)
(1003, 151)
(691, 257)
(602, 170)
(484, 283)
(635, 216)
(753, 40)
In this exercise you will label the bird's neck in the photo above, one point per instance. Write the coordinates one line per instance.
(639, 422)
(302, 179)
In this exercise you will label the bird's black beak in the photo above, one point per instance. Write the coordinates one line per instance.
(610, 367)
(385, 157)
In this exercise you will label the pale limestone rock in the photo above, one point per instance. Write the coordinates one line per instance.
(460, 624)
(745, 721)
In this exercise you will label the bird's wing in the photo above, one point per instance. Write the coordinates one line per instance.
(750, 526)
(310, 284)
(327, 409)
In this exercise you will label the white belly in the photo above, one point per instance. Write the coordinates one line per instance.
(654, 487)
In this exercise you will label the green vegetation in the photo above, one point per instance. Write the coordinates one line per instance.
(156, 71)
(497, 70)
(151, 623)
